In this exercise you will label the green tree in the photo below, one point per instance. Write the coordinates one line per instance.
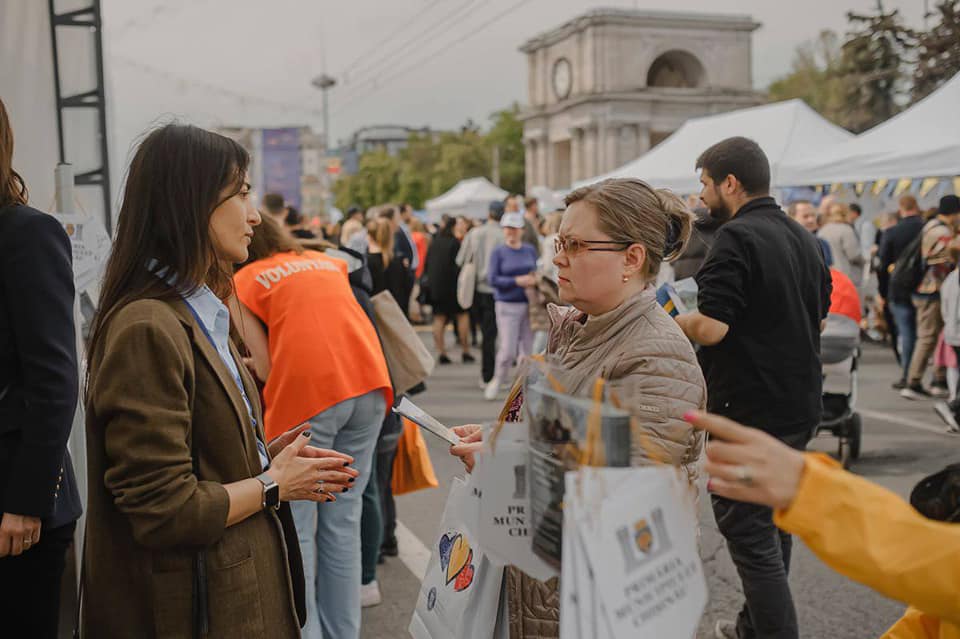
(507, 135)
(432, 163)
(874, 67)
(814, 78)
(938, 51)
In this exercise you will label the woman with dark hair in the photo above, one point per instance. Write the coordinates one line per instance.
(188, 522)
(39, 501)
(387, 269)
(442, 272)
(321, 359)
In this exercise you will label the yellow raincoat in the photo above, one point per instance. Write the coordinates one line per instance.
(872, 536)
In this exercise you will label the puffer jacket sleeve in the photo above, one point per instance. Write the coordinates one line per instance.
(658, 382)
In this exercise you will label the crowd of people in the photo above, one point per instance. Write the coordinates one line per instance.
(899, 265)
(240, 442)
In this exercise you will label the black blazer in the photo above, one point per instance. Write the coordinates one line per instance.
(38, 368)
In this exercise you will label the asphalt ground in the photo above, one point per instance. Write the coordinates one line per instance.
(903, 441)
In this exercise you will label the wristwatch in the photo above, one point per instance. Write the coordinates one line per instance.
(271, 492)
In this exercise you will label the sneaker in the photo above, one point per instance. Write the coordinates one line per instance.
(940, 391)
(483, 384)
(490, 390)
(468, 358)
(725, 630)
(943, 410)
(370, 595)
(899, 384)
(915, 392)
(443, 359)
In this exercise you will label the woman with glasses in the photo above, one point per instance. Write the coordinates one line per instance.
(612, 240)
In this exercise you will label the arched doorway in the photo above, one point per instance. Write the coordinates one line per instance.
(676, 70)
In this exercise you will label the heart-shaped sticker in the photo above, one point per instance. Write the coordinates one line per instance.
(465, 578)
(460, 555)
(446, 542)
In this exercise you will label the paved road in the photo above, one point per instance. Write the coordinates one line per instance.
(903, 441)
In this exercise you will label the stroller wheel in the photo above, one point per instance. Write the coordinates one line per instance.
(855, 434)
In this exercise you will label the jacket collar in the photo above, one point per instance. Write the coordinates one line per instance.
(225, 378)
(579, 332)
(757, 204)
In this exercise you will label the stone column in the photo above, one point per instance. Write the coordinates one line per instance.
(590, 164)
(611, 139)
(576, 154)
(643, 139)
(544, 160)
(530, 162)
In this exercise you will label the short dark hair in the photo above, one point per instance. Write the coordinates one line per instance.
(294, 217)
(273, 202)
(743, 159)
(856, 208)
(496, 210)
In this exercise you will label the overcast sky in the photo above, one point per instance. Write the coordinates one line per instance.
(414, 62)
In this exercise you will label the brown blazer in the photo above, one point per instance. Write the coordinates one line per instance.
(156, 383)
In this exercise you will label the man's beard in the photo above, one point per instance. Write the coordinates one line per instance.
(721, 212)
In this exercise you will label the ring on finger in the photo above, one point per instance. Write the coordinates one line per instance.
(320, 487)
(27, 541)
(744, 475)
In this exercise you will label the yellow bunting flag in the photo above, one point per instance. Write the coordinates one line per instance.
(859, 187)
(902, 186)
(956, 185)
(879, 186)
(835, 187)
(928, 185)
(820, 189)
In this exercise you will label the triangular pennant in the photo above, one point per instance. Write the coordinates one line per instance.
(858, 188)
(956, 185)
(878, 186)
(903, 185)
(928, 185)
(835, 187)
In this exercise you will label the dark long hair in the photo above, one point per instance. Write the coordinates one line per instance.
(269, 239)
(173, 186)
(13, 190)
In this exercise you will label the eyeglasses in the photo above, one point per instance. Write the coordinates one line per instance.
(572, 245)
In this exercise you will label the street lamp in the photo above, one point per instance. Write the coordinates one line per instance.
(324, 82)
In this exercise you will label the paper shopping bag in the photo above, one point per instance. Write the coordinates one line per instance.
(460, 594)
(501, 478)
(412, 468)
(408, 360)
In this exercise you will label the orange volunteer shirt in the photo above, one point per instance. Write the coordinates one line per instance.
(844, 299)
(323, 348)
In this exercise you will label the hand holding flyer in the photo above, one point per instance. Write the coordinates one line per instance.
(418, 416)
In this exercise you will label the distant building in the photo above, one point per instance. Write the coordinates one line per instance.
(388, 137)
(290, 161)
(607, 86)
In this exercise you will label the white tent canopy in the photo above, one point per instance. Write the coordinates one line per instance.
(918, 143)
(784, 130)
(470, 197)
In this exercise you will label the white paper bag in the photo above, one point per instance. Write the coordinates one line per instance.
(638, 529)
(460, 593)
(501, 477)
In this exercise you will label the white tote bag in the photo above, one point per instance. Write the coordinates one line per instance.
(467, 281)
(460, 594)
(502, 479)
(638, 529)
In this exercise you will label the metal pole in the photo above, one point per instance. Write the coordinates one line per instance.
(56, 78)
(102, 119)
(326, 124)
(63, 183)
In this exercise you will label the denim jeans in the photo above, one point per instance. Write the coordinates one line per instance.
(761, 552)
(371, 527)
(905, 316)
(330, 533)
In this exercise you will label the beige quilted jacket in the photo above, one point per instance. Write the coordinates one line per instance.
(651, 367)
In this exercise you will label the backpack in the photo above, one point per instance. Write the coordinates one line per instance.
(909, 268)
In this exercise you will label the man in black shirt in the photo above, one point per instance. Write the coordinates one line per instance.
(764, 293)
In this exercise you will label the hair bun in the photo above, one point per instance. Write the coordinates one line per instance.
(679, 224)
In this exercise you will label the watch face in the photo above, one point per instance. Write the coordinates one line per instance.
(562, 78)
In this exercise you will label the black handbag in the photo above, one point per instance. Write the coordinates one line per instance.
(938, 496)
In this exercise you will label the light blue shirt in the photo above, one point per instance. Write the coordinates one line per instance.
(214, 318)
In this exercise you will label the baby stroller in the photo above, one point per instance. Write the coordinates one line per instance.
(840, 353)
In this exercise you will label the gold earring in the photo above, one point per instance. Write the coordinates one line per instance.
(626, 278)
